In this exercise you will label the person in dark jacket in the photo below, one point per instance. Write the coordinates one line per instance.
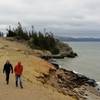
(7, 69)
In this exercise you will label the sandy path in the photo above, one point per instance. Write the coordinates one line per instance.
(33, 90)
(29, 92)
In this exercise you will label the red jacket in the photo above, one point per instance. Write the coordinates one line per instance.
(18, 69)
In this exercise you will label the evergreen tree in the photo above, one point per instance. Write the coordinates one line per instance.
(38, 40)
(11, 32)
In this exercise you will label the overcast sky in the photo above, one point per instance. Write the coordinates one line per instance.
(63, 17)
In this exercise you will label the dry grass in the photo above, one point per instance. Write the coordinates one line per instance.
(33, 66)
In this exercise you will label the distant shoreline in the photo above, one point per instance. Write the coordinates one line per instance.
(78, 39)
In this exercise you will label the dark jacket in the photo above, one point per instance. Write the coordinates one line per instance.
(7, 68)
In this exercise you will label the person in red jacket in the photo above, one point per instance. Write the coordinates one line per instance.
(18, 73)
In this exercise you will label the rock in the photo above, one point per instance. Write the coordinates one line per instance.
(67, 82)
(43, 54)
(86, 94)
(72, 55)
(54, 63)
(66, 50)
(92, 82)
(52, 71)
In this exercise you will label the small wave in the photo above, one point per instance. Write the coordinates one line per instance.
(78, 73)
(75, 72)
(60, 66)
(98, 86)
(98, 83)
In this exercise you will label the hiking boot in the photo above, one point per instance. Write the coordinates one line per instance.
(16, 84)
(21, 87)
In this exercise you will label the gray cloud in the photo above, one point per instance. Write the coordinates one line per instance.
(59, 16)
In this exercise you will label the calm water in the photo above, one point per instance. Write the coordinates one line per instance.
(88, 62)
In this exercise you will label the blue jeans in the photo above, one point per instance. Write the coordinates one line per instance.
(18, 80)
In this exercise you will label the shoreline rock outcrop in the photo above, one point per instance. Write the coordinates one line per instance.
(67, 82)
(64, 51)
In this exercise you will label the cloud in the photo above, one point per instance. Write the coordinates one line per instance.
(59, 16)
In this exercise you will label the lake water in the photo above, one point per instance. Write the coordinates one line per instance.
(88, 60)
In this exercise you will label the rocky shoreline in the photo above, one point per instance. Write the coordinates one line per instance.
(59, 56)
(69, 83)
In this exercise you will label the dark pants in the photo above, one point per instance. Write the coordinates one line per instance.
(18, 80)
(7, 77)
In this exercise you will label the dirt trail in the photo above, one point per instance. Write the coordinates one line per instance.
(33, 90)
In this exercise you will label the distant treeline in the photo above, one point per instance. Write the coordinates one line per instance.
(36, 40)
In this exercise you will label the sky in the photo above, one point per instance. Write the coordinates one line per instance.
(62, 17)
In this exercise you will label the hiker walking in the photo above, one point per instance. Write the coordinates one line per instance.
(7, 69)
(18, 72)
